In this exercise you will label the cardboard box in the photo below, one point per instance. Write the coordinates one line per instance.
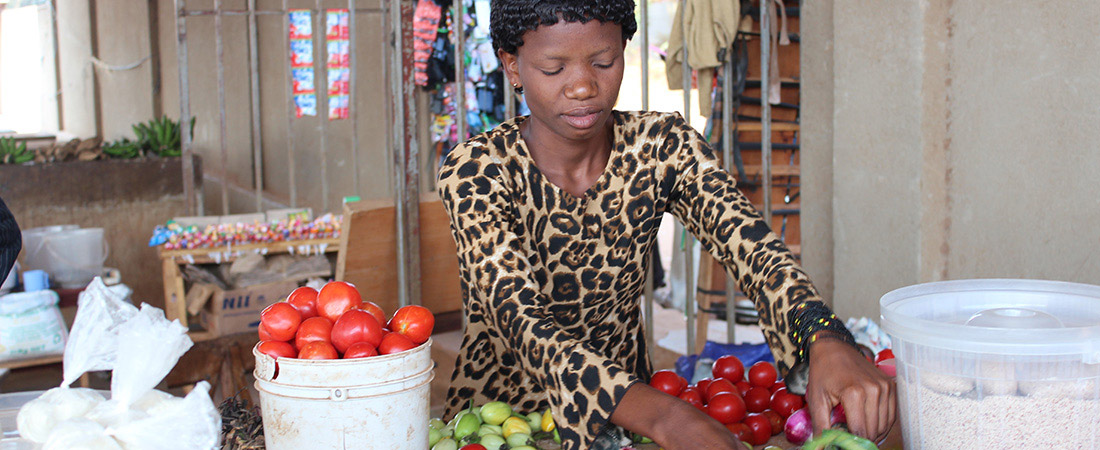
(238, 310)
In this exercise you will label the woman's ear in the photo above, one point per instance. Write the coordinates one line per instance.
(511, 67)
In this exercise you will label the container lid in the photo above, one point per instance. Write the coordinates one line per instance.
(998, 316)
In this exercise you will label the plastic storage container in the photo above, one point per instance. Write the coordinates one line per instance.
(997, 364)
(377, 402)
(73, 257)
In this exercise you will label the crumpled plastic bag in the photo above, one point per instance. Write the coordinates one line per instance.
(93, 340)
(38, 418)
(148, 347)
(140, 347)
(181, 424)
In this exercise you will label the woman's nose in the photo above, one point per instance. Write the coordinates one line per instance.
(583, 86)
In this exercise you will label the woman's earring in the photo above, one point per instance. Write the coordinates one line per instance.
(517, 88)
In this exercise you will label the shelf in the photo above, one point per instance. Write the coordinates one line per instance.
(217, 255)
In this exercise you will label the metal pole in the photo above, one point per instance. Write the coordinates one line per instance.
(221, 106)
(187, 163)
(460, 68)
(727, 162)
(766, 114)
(689, 241)
(398, 95)
(292, 184)
(643, 28)
(320, 59)
(257, 127)
(353, 111)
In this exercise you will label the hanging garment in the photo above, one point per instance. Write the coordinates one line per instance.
(425, 27)
(778, 36)
(712, 26)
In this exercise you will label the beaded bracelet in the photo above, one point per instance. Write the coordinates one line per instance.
(808, 319)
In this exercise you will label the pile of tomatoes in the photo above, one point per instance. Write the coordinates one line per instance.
(753, 405)
(336, 322)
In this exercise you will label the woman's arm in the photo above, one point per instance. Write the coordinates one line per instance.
(706, 199)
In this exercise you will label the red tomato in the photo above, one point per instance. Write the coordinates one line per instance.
(667, 381)
(374, 310)
(777, 386)
(318, 350)
(277, 349)
(884, 355)
(726, 407)
(692, 395)
(336, 298)
(728, 367)
(313, 329)
(718, 386)
(360, 350)
(740, 430)
(785, 403)
(395, 342)
(355, 326)
(304, 299)
(775, 420)
(743, 387)
(473, 447)
(413, 321)
(762, 374)
(264, 335)
(702, 385)
(757, 399)
(280, 320)
(761, 429)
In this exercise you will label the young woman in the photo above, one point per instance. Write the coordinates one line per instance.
(554, 214)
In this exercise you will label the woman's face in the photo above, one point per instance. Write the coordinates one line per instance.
(570, 73)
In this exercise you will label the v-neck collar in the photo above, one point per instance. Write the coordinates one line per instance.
(601, 182)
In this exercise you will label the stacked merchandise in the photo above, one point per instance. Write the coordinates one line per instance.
(434, 62)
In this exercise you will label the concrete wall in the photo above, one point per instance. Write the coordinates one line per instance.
(957, 141)
(121, 32)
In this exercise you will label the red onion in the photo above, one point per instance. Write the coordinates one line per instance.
(798, 428)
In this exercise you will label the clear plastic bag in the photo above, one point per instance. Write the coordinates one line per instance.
(190, 423)
(148, 347)
(93, 340)
(140, 347)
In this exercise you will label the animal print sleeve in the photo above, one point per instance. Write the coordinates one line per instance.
(583, 385)
(706, 200)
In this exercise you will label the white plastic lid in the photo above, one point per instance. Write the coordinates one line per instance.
(998, 316)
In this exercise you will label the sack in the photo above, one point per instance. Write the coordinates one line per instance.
(31, 325)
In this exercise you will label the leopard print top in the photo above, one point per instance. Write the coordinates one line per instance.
(552, 282)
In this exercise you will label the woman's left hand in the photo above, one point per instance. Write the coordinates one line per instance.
(840, 374)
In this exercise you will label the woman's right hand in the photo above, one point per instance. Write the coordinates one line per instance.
(672, 423)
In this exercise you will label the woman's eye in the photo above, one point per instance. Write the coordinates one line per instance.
(549, 73)
(605, 66)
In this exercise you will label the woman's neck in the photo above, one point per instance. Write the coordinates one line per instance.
(573, 166)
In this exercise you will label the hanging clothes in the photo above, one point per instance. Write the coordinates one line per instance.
(425, 27)
(712, 26)
(778, 36)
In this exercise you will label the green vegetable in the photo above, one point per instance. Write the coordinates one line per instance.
(492, 441)
(467, 424)
(161, 136)
(494, 413)
(12, 152)
(434, 436)
(518, 439)
(838, 439)
(445, 444)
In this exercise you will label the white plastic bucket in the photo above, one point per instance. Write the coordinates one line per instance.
(74, 257)
(377, 402)
(33, 254)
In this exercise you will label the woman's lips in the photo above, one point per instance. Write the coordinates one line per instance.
(582, 118)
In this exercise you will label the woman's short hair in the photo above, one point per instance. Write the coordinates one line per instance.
(509, 19)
